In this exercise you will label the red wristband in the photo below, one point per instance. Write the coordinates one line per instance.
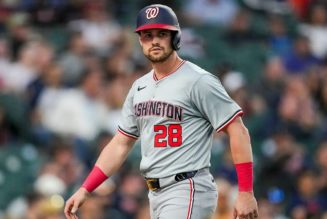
(94, 179)
(245, 176)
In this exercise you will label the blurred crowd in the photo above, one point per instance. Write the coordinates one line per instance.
(67, 65)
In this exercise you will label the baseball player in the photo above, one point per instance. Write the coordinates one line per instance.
(174, 110)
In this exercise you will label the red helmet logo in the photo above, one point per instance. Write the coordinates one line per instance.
(152, 12)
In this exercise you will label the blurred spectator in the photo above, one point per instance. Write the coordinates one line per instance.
(316, 30)
(76, 112)
(70, 168)
(300, 59)
(34, 57)
(240, 31)
(212, 12)
(283, 159)
(98, 27)
(24, 71)
(41, 93)
(49, 184)
(296, 109)
(307, 201)
(45, 75)
(120, 62)
(278, 40)
(20, 32)
(72, 61)
(271, 84)
(50, 79)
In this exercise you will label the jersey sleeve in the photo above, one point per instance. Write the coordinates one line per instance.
(211, 99)
(128, 125)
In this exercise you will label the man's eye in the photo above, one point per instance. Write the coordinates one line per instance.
(163, 34)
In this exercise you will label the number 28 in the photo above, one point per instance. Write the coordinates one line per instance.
(171, 134)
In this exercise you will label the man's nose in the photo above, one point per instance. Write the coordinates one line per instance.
(155, 40)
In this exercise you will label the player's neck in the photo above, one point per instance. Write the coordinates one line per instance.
(163, 69)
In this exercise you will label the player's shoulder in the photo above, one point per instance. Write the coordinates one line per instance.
(196, 73)
(195, 70)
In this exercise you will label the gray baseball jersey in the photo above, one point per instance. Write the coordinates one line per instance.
(175, 118)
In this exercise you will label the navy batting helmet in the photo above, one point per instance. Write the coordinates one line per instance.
(159, 16)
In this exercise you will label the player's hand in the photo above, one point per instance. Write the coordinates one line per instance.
(246, 206)
(74, 202)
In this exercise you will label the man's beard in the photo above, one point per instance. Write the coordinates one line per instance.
(158, 59)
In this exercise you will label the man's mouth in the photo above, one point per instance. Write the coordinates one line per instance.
(155, 49)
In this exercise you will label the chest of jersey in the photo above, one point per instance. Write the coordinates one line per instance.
(166, 99)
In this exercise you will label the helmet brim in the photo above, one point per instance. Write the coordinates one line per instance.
(157, 26)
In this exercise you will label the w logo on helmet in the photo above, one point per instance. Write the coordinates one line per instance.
(152, 12)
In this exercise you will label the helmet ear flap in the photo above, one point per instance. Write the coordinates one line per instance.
(176, 40)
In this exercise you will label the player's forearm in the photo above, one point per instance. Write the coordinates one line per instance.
(241, 154)
(240, 145)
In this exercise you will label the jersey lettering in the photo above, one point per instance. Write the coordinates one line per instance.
(159, 108)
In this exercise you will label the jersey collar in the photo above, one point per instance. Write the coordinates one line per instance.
(173, 71)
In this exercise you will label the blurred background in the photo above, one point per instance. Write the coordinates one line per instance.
(67, 65)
